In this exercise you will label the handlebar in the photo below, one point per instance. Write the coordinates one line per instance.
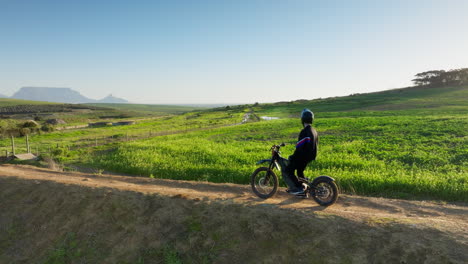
(277, 147)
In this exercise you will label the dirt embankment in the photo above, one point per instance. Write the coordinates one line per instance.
(62, 217)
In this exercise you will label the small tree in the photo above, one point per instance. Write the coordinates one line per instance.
(429, 78)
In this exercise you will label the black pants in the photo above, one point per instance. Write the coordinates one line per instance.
(295, 165)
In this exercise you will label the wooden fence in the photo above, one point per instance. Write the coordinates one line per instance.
(26, 144)
(20, 145)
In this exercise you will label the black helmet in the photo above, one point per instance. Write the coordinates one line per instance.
(307, 117)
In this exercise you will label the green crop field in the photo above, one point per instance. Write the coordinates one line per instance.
(14, 102)
(14, 113)
(149, 109)
(169, 124)
(405, 143)
(393, 157)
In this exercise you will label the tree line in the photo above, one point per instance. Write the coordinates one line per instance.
(455, 77)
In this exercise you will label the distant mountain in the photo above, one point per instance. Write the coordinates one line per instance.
(112, 100)
(3, 96)
(59, 95)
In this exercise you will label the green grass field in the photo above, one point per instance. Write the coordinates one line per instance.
(150, 109)
(380, 156)
(404, 143)
(13, 112)
(13, 102)
(168, 124)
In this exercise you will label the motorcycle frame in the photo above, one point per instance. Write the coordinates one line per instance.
(273, 163)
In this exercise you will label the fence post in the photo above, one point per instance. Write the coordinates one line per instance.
(13, 145)
(28, 149)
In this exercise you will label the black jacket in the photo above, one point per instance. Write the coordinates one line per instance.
(306, 146)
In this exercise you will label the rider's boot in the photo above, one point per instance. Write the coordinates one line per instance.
(291, 185)
(299, 191)
(303, 180)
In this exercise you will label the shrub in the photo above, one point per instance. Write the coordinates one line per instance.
(30, 124)
(47, 128)
(24, 131)
(61, 154)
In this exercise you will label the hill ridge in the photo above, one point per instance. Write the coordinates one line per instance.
(415, 97)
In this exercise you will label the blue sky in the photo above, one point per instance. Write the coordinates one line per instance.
(231, 52)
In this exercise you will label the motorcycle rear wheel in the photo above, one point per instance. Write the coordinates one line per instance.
(325, 192)
(264, 182)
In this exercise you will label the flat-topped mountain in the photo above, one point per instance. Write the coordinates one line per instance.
(60, 95)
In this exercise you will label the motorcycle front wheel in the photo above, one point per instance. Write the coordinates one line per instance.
(264, 182)
(325, 192)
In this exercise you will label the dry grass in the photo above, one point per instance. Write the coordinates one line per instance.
(48, 222)
(52, 164)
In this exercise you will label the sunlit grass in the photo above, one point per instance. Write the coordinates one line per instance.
(384, 144)
(387, 156)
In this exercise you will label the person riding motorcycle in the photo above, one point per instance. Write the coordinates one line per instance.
(305, 152)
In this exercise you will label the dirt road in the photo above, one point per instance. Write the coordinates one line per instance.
(447, 221)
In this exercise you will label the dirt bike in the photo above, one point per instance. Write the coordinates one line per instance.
(264, 181)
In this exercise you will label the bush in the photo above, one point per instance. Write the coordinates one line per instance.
(12, 132)
(24, 131)
(61, 154)
(27, 128)
(30, 124)
(47, 128)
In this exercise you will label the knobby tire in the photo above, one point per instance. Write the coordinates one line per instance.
(262, 180)
(331, 186)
